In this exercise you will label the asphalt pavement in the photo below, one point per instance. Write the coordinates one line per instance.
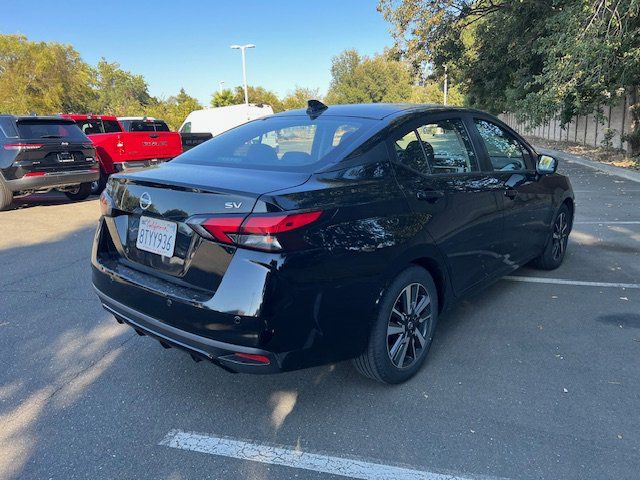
(535, 377)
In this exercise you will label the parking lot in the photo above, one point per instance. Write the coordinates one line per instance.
(536, 377)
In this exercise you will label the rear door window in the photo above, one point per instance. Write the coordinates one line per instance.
(505, 151)
(410, 153)
(111, 126)
(448, 147)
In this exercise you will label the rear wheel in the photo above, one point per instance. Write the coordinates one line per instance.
(401, 335)
(6, 195)
(80, 192)
(553, 254)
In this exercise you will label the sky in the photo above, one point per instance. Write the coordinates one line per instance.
(177, 44)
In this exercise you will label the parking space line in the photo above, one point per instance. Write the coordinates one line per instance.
(270, 454)
(630, 222)
(562, 281)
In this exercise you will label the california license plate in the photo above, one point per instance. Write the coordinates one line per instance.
(157, 236)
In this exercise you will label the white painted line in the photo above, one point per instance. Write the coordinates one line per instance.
(257, 452)
(562, 281)
(630, 222)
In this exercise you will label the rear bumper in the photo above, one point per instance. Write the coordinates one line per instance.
(53, 179)
(199, 347)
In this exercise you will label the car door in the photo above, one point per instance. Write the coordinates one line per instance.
(438, 169)
(526, 201)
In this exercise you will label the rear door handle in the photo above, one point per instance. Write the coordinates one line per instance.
(511, 193)
(429, 195)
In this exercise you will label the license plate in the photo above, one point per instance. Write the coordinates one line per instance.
(65, 157)
(157, 236)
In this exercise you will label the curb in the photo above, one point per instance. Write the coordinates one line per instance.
(608, 169)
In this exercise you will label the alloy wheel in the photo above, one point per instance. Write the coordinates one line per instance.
(409, 326)
(560, 236)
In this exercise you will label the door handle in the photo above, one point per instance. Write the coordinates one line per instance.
(511, 193)
(429, 195)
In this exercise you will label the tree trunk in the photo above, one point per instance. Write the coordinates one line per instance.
(633, 137)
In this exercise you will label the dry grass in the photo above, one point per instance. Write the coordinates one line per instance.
(610, 156)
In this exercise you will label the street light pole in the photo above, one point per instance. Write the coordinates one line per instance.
(242, 48)
(221, 85)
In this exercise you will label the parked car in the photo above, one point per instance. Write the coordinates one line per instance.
(120, 150)
(201, 125)
(347, 243)
(39, 154)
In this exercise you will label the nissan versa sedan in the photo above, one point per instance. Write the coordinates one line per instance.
(331, 233)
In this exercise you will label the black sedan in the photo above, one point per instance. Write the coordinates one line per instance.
(326, 234)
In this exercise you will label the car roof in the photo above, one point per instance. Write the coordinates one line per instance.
(376, 111)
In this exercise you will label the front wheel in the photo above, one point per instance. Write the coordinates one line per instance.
(556, 248)
(403, 330)
(80, 192)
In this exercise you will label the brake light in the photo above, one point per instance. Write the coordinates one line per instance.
(257, 231)
(254, 358)
(23, 146)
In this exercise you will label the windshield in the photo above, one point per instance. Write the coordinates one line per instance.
(294, 143)
(35, 129)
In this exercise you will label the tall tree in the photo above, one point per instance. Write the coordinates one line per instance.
(119, 92)
(42, 77)
(299, 96)
(540, 58)
(259, 95)
(358, 79)
(223, 98)
(174, 109)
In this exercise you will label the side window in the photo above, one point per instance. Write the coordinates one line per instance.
(448, 147)
(8, 128)
(410, 153)
(186, 128)
(506, 153)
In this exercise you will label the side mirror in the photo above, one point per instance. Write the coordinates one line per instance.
(546, 165)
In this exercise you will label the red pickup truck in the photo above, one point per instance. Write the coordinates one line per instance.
(118, 150)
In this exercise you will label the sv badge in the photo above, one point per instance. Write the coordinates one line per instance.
(232, 204)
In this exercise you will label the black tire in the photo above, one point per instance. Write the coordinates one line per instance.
(83, 191)
(556, 248)
(6, 195)
(99, 185)
(376, 362)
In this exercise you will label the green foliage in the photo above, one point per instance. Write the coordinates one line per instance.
(539, 58)
(432, 92)
(298, 98)
(173, 110)
(357, 79)
(259, 95)
(223, 98)
(42, 77)
(119, 92)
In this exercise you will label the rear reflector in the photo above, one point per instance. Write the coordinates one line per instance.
(258, 231)
(23, 146)
(254, 358)
(35, 174)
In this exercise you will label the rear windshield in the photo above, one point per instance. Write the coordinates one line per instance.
(96, 125)
(146, 126)
(291, 143)
(33, 129)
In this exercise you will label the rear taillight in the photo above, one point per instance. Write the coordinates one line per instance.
(269, 231)
(23, 146)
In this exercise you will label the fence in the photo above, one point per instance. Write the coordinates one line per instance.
(587, 130)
